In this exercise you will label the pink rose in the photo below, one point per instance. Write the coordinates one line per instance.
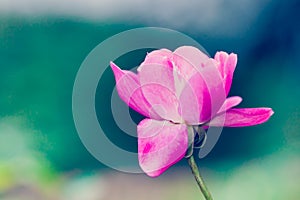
(176, 91)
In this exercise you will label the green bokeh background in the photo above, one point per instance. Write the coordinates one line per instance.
(42, 157)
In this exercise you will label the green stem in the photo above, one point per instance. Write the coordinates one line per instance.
(198, 178)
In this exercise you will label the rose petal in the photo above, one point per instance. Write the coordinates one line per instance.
(238, 117)
(157, 84)
(160, 145)
(189, 101)
(192, 54)
(229, 103)
(161, 56)
(226, 66)
(204, 82)
(129, 90)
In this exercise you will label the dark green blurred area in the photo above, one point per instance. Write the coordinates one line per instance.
(39, 62)
(39, 59)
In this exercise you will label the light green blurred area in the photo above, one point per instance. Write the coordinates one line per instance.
(42, 157)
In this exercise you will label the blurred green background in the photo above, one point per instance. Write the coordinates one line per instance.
(42, 45)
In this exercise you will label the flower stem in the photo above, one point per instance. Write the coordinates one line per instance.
(198, 178)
